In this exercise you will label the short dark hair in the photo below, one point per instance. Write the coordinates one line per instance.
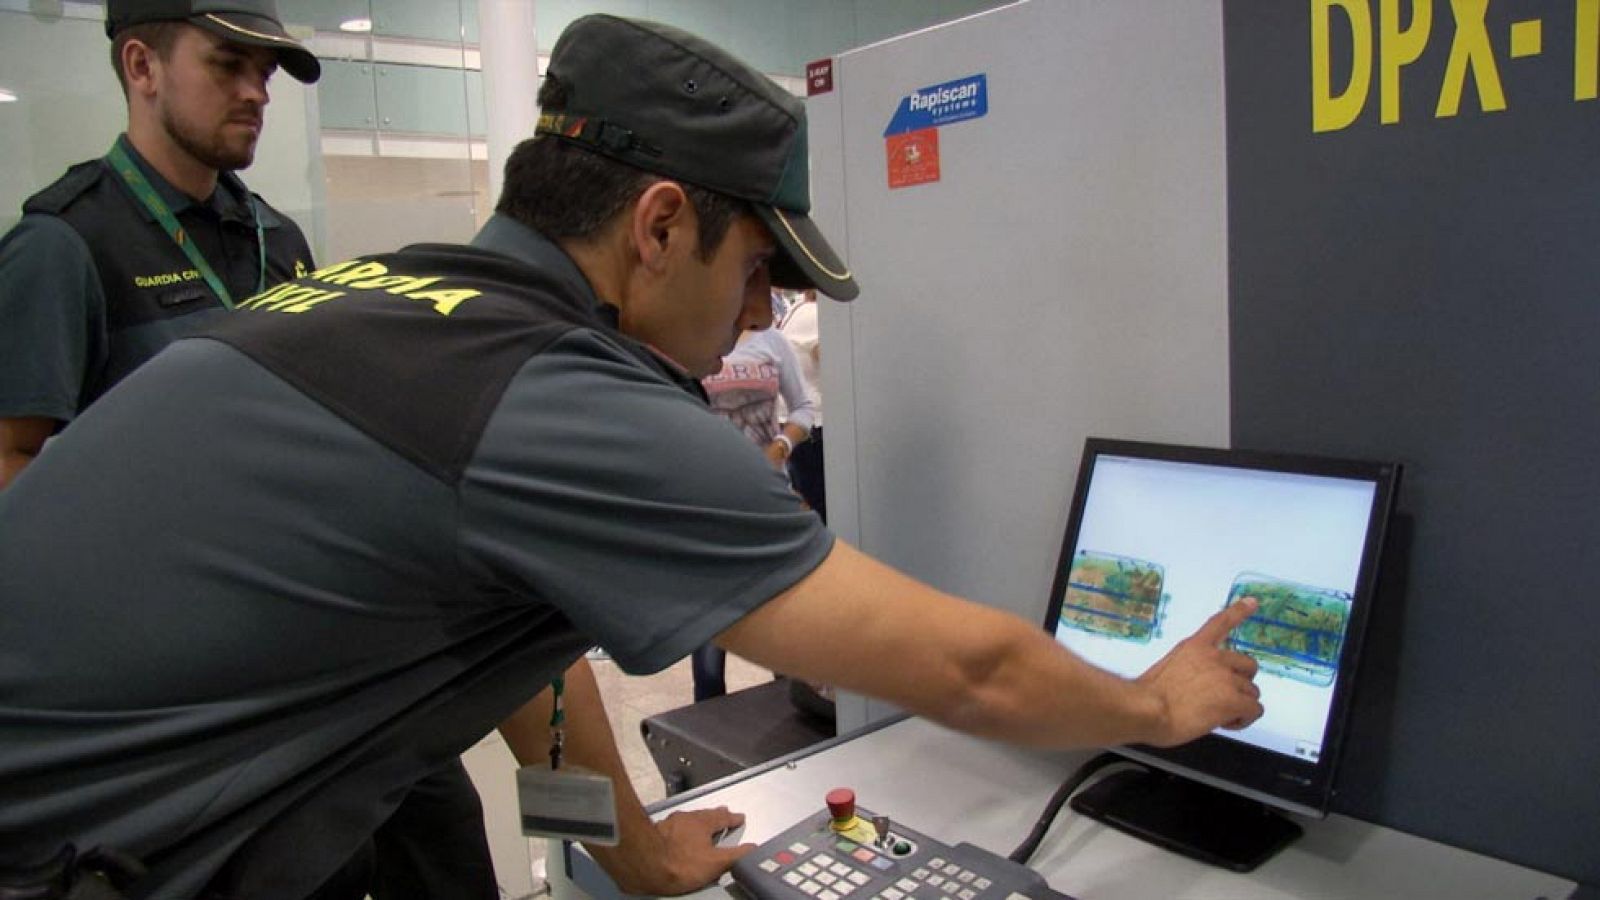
(158, 36)
(566, 192)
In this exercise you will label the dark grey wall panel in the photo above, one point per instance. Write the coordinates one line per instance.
(1429, 291)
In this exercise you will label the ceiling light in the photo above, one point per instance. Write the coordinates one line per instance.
(7, 97)
(356, 26)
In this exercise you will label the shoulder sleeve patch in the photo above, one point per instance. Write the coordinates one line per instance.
(58, 196)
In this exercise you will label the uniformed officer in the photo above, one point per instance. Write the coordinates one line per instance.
(127, 252)
(157, 239)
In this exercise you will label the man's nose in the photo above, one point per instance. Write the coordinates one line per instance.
(758, 301)
(757, 312)
(254, 87)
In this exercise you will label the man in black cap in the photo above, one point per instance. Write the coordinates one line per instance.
(95, 279)
(434, 478)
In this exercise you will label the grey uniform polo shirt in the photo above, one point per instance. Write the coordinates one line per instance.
(287, 567)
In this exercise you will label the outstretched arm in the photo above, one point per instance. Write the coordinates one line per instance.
(673, 856)
(859, 624)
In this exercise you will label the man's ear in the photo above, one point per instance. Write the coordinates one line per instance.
(139, 63)
(663, 224)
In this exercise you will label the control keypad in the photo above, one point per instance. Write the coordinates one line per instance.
(810, 861)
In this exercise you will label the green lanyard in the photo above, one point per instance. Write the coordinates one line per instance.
(557, 717)
(136, 182)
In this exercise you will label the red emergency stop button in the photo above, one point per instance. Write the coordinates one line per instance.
(841, 803)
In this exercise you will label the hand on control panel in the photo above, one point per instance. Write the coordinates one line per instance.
(686, 854)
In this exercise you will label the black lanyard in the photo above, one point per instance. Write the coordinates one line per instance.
(141, 187)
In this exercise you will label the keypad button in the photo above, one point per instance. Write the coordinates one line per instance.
(799, 848)
(982, 883)
(966, 877)
(864, 855)
(823, 860)
(825, 877)
(827, 895)
(770, 865)
(950, 887)
(936, 862)
(860, 878)
(921, 874)
(881, 863)
(784, 857)
(807, 869)
(840, 869)
(810, 887)
(792, 878)
(935, 880)
(906, 884)
(892, 894)
(843, 887)
(967, 894)
(952, 869)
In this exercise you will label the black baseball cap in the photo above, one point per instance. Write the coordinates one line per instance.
(663, 100)
(253, 22)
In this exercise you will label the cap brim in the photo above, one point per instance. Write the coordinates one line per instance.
(805, 259)
(256, 31)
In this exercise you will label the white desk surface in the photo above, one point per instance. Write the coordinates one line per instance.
(957, 788)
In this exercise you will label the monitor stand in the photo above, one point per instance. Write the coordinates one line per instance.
(1187, 817)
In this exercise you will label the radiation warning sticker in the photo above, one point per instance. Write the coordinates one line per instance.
(913, 157)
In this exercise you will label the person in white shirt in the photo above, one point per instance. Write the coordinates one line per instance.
(760, 370)
(799, 325)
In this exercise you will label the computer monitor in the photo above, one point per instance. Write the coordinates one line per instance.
(1160, 537)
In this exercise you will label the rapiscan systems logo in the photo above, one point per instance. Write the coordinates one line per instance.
(1383, 37)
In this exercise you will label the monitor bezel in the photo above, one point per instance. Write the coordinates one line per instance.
(1270, 777)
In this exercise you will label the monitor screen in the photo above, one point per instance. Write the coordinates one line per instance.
(1161, 537)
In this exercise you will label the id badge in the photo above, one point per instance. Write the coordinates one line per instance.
(567, 803)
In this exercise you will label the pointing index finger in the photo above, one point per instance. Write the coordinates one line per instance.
(1216, 629)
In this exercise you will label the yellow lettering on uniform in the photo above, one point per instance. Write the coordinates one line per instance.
(1470, 49)
(1330, 112)
(266, 296)
(445, 301)
(295, 294)
(1398, 48)
(309, 302)
(412, 285)
(325, 271)
(382, 281)
(1586, 55)
(165, 278)
(364, 270)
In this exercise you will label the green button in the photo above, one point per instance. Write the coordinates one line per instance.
(902, 848)
(845, 846)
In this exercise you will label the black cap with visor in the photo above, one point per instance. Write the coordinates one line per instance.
(665, 101)
(252, 22)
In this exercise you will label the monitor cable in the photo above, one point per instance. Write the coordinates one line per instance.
(1026, 849)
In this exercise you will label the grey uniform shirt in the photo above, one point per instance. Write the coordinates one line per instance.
(239, 607)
